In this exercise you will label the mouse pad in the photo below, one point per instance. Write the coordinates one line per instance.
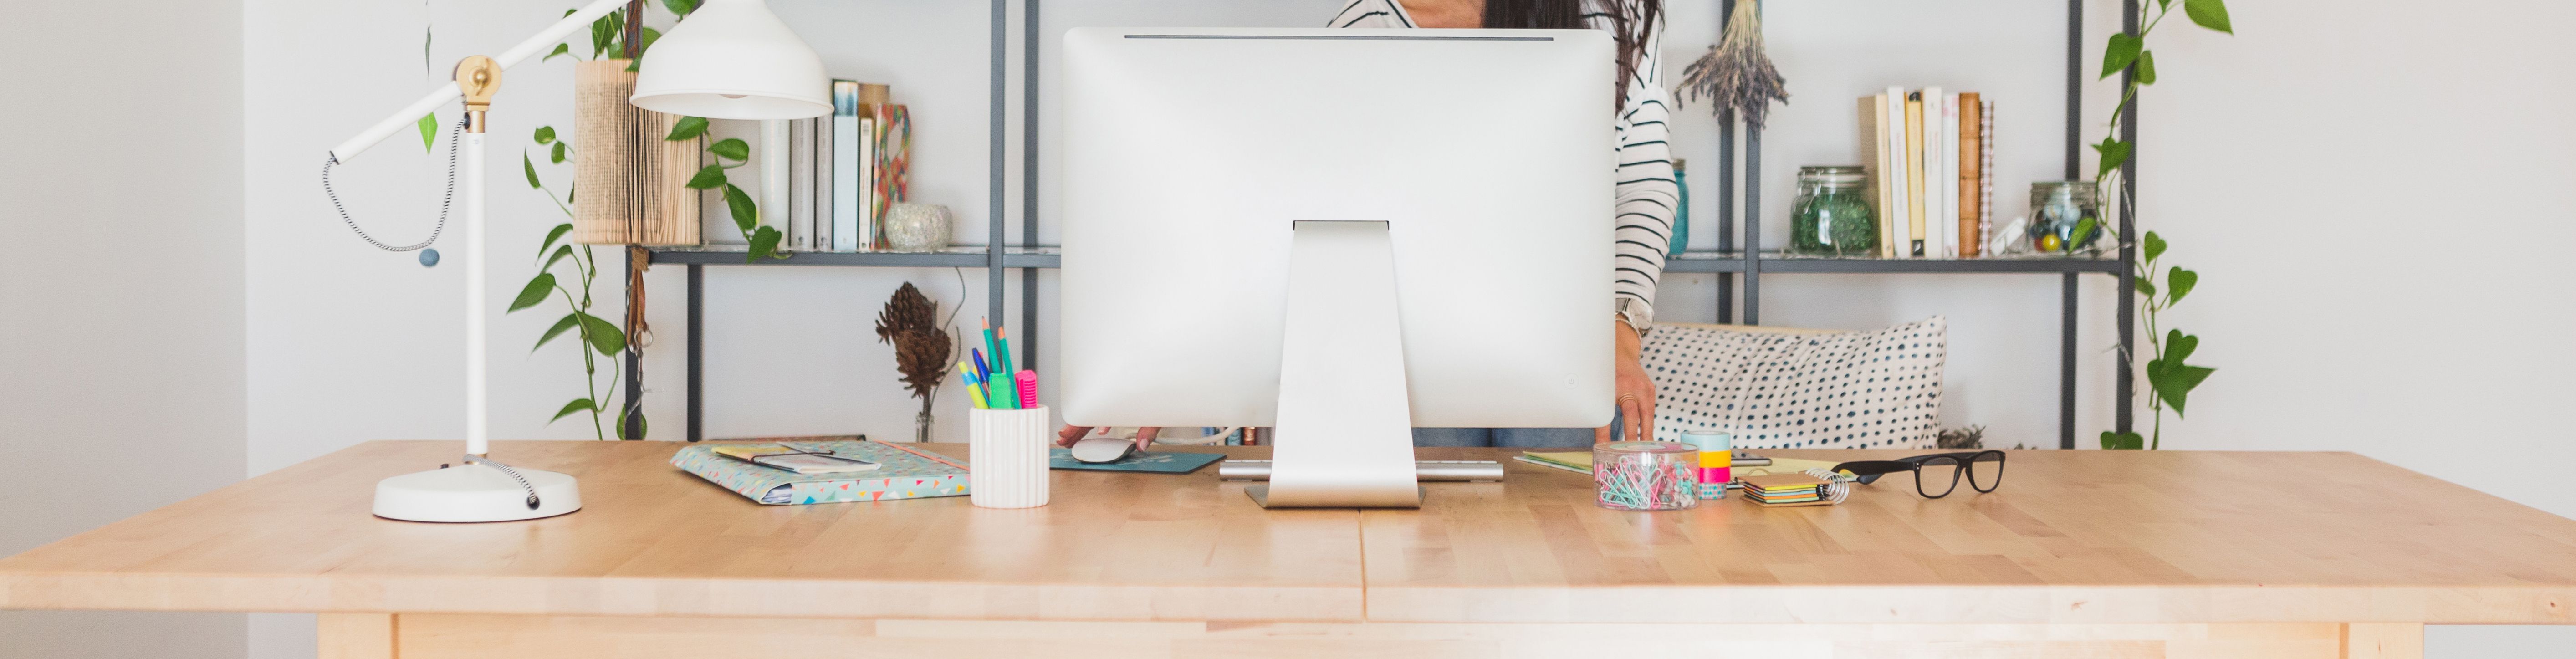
(1151, 463)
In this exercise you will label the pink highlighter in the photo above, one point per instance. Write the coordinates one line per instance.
(1028, 389)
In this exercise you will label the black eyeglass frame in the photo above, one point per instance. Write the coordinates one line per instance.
(1868, 471)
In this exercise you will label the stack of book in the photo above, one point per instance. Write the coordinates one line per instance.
(846, 169)
(1927, 154)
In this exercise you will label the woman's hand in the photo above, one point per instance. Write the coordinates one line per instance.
(1070, 434)
(1635, 392)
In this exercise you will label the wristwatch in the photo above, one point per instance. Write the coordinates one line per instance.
(1628, 312)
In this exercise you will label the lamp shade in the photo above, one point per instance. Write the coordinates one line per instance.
(732, 59)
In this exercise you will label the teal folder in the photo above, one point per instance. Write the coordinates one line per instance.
(1141, 462)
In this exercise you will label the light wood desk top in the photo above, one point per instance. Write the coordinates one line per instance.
(2071, 537)
(654, 540)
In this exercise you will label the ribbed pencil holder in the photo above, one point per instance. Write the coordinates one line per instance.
(1006, 456)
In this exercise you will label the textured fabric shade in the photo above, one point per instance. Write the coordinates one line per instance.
(732, 59)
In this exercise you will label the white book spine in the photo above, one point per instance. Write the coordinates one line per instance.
(800, 184)
(774, 179)
(1933, 176)
(868, 221)
(1897, 178)
(845, 183)
(1950, 176)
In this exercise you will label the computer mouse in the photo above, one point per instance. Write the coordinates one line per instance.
(1103, 449)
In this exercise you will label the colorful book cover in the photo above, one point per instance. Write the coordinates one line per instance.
(905, 475)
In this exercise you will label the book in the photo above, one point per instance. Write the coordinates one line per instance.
(893, 175)
(1972, 171)
(800, 185)
(1897, 174)
(1946, 224)
(1986, 183)
(1873, 163)
(844, 187)
(775, 182)
(821, 190)
(1910, 242)
(903, 473)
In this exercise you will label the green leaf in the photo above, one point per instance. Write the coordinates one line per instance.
(2210, 14)
(561, 150)
(531, 167)
(428, 131)
(2164, 5)
(554, 235)
(2114, 153)
(2154, 245)
(577, 405)
(2122, 50)
(570, 191)
(642, 426)
(645, 43)
(681, 7)
(745, 215)
(2146, 67)
(708, 178)
(2127, 441)
(2179, 346)
(568, 322)
(2146, 288)
(545, 134)
(764, 245)
(2083, 232)
(2178, 283)
(535, 292)
(604, 336)
(733, 149)
(603, 32)
(2174, 381)
(560, 49)
(560, 254)
(689, 128)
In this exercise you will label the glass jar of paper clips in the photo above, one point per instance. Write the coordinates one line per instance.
(1646, 475)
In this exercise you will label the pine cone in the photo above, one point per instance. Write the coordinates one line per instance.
(922, 349)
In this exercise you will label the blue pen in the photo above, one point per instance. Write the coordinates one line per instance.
(983, 371)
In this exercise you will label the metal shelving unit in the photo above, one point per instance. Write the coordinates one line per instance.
(1730, 263)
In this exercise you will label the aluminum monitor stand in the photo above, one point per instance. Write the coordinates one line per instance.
(1345, 433)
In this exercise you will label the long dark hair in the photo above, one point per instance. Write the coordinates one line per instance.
(1632, 21)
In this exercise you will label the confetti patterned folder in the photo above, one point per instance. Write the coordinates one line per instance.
(907, 474)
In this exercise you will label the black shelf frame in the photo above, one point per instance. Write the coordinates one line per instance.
(1731, 263)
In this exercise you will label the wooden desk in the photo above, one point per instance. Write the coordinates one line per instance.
(2080, 553)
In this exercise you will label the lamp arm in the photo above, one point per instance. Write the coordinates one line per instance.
(446, 93)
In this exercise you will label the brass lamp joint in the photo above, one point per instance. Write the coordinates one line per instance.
(478, 77)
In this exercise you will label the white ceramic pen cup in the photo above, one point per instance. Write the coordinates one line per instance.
(1006, 455)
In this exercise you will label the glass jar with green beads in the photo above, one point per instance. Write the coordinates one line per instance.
(2065, 218)
(1832, 217)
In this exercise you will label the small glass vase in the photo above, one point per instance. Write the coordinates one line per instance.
(1832, 217)
(911, 227)
(2065, 219)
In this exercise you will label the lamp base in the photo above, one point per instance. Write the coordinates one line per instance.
(475, 492)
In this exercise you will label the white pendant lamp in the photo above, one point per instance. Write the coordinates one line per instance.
(732, 59)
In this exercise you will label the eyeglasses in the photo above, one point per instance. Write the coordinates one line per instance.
(1936, 475)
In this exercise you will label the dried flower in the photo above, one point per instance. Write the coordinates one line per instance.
(922, 348)
(1736, 72)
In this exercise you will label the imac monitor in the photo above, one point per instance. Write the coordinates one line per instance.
(1339, 233)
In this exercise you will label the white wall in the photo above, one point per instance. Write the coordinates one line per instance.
(121, 293)
(2249, 141)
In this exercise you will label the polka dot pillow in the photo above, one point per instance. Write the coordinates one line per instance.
(1876, 389)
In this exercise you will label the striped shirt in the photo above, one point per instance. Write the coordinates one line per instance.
(1647, 193)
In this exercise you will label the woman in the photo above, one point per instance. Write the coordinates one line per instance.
(1646, 191)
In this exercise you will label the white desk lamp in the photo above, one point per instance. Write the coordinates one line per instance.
(730, 59)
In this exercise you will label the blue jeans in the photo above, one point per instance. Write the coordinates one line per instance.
(1513, 437)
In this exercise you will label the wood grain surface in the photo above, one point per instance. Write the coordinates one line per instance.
(2069, 537)
(653, 540)
(2072, 537)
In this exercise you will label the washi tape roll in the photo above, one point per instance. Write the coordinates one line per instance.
(1716, 460)
(1646, 475)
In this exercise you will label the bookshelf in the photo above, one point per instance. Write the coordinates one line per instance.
(1733, 266)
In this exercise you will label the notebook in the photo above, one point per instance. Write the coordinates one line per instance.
(1138, 462)
(902, 473)
(1786, 490)
(805, 460)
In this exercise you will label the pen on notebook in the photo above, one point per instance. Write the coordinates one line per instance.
(1028, 389)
